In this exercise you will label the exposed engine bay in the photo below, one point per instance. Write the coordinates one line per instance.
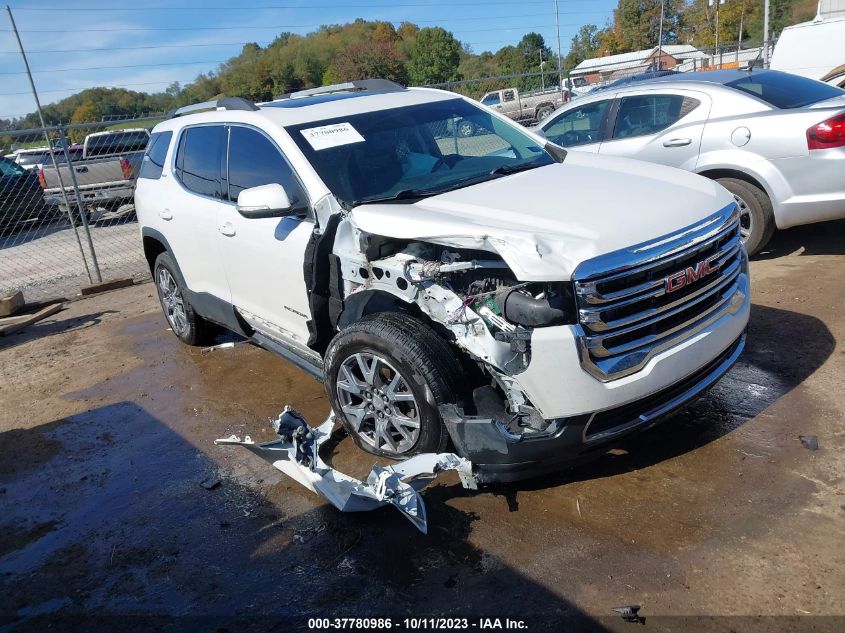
(473, 299)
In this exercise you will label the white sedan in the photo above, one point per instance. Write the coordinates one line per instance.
(776, 141)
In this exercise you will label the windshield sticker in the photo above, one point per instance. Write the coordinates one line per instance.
(335, 135)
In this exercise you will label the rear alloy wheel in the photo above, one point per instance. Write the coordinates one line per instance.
(186, 324)
(756, 219)
(543, 113)
(385, 376)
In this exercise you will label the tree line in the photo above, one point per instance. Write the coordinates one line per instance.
(411, 55)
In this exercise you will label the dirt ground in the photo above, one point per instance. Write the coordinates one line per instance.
(106, 434)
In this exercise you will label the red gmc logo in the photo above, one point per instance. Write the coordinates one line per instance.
(691, 274)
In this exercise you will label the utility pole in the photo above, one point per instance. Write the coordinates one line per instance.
(559, 69)
(766, 33)
(718, 2)
(52, 153)
(542, 77)
(660, 38)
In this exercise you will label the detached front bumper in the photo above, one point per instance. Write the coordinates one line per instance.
(500, 456)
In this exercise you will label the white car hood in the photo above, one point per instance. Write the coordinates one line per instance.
(546, 221)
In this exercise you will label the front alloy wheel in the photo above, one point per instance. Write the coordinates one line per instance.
(377, 401)
(386, 375)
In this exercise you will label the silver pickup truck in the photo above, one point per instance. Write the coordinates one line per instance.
(528, 107)
(105, 173)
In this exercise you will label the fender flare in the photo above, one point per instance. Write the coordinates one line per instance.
(356, 305)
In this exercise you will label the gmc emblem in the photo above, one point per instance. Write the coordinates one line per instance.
(691, 274)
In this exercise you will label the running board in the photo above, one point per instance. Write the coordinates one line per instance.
(309, 364)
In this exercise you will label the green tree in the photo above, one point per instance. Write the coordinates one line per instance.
(585, 45)
(636, 24)
(435, 57)
(530, 48)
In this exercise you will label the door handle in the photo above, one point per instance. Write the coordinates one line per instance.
(677, 142)
(165, 214)
(227, 228)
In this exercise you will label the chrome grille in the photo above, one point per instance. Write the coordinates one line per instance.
(626, 312)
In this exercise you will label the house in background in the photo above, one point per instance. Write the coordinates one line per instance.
(612, 67)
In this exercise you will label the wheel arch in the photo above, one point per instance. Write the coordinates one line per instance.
(366, 302)
(723, 172)
(154, 245)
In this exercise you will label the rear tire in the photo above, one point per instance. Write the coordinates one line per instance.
(187, 325)
(543, 113)
(757, 221)
(385, 376)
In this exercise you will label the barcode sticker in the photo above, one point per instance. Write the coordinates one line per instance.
(335, 135)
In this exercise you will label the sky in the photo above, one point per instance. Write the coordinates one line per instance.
(146, 45)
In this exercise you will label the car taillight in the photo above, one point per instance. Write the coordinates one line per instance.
(127, 169)
(41, 179)
(827, 134)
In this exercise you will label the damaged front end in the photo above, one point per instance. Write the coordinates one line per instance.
(297, 454)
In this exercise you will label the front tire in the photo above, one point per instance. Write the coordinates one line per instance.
(385, 376)
(187, 325)
(756, 218)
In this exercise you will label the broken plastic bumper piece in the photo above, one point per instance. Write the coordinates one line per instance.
(297, 454)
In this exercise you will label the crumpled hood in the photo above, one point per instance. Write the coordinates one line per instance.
(546, 221)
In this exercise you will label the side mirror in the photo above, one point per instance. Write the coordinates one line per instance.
(265, 201)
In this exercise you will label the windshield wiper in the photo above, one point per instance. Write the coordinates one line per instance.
(404, 194)
(506, 170)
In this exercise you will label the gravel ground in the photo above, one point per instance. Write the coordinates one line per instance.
(106, 431)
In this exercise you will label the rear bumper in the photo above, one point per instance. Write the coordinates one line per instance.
(500, 456)
(809, 188)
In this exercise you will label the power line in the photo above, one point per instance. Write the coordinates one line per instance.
(286, 6)
(280, 26)
(143, 83)
(61, 70)
(122, 48)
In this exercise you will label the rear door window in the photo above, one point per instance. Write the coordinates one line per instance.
(254, 160)
(153, 162)
(642, 115)
(199, 158)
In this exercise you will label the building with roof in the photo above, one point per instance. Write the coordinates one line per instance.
(612, 67)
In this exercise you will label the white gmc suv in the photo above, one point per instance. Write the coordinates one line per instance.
(526, 304)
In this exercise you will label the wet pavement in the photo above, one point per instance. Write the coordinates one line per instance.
(106, 437)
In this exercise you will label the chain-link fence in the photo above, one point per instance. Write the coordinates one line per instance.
(67, 216)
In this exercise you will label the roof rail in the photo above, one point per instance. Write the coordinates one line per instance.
(227, 103)
(374, 85)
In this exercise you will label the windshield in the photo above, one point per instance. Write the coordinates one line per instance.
(785, 91)
(74, 154)
(414, 151)
(31, 158)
